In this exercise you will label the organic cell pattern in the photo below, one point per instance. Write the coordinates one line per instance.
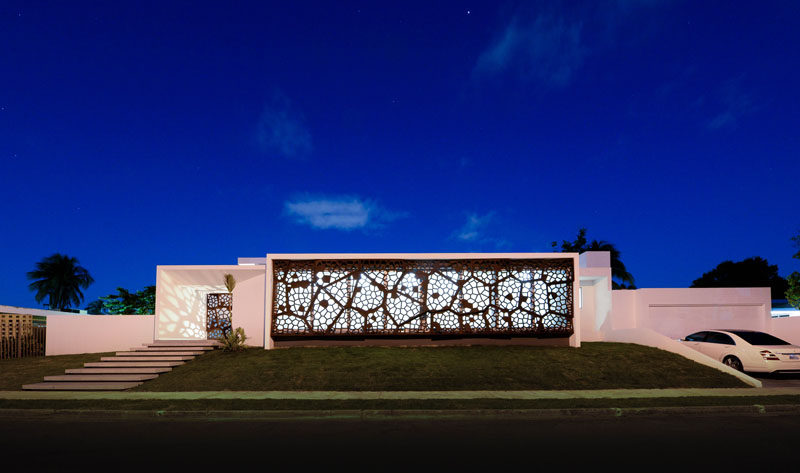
(218, 316)
(363, 298)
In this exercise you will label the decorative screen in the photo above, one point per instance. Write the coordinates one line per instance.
(218, 315)
(428, 298)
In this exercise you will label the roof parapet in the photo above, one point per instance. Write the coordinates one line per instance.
(257, 261)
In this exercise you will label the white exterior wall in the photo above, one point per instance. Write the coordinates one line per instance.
(595, 281)
(586, 299)
(248, 308)
(623, 310)
(181, 290)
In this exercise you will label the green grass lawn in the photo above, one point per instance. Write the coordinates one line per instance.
(593, 366)
(16, 372)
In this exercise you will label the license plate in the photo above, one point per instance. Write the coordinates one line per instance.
(794, 357)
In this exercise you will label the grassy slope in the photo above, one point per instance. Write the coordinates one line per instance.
(15, 373)
(593, 366)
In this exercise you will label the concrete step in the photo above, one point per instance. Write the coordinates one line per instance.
(166, 348)
(100, 377)
(159, 353)
(117, 370)
(127, 369)
(147, 358)
(88, 386)
(183, 343)
(133, 364)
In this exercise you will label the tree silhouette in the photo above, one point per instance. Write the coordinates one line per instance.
(793, 282)
(126, 302)
(621, 278)
(59, 278)
(750, 272)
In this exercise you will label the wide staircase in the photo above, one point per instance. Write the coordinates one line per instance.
(127, 369)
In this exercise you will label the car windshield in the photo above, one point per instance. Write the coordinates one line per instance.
(760, 338)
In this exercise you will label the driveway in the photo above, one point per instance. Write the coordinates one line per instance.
(779, 380)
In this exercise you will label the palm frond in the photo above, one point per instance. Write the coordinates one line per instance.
(230, 282)
(59, 278)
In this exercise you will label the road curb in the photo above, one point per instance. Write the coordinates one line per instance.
(91, 415)
(400, 395)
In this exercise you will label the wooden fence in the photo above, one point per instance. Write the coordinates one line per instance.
(22, 335)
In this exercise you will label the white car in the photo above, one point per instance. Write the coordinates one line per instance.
(746, 350)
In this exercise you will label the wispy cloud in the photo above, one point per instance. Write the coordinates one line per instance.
(339, 213)
(547, 48)
(282, 129)
(549, 42)
(473, 227)
(477, 231)
(735, 104)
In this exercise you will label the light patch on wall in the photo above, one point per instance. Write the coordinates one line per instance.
(183, 314)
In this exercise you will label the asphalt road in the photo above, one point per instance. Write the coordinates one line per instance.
(662, 442)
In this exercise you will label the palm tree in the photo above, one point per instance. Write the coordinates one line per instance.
(60, 278)
(618, 270)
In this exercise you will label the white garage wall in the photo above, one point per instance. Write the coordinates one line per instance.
(677, 321)
(787, 328)
(677, 312)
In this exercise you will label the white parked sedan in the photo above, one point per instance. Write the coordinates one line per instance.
(746, 350)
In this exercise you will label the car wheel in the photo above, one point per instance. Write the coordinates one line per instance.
(733, 362)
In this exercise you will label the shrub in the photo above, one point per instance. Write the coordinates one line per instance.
(234, 340)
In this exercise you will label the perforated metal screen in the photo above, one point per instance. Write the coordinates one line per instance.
(422, 298)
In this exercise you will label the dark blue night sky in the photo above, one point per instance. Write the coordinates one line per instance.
(134, 134)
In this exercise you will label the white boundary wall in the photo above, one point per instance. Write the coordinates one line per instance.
(74, 333)
(69, 333)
